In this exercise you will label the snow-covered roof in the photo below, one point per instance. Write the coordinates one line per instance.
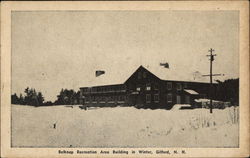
(103, 80)
(114, 76)
(179, 106)
(190, 91)
(207, 100)
(176, 74)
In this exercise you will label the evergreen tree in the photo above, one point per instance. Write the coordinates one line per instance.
(40, 98)
(67, 97)
(228, 91)
(21, 100)
(14, 99)
(32, 97)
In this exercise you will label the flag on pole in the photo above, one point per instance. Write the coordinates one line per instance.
(99, 73)
(166, 65)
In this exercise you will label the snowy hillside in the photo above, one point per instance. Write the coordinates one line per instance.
(123, 127)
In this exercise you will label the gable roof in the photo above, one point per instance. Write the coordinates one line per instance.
(119, 77)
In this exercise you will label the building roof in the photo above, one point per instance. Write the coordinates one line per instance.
(112, 77)
(190, 91)
(174, 75)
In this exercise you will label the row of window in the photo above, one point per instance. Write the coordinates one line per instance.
(156, 98)
(104, 99)
(156, 87)
(105, 89)
(138, 88)
(178, 86)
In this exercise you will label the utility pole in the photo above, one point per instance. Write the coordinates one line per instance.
(211, 55)
(211, 77)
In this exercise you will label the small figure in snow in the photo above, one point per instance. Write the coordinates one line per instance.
(54, 125)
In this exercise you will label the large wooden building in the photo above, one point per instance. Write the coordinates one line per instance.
(144, 89)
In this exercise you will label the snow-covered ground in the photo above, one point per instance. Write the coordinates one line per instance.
(123, 127)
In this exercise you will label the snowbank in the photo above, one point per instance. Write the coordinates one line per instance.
(123, 127)
(181, 106)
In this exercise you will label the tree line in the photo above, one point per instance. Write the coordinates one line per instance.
(30, 97)
(34, 98)
(227, 91)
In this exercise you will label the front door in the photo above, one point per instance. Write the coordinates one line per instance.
(178, 99)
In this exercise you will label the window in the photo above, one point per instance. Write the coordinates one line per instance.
(169, 98)
(131, 87)
(102, 99)
(187, 99)
(156, 86)
(185, 85)
(97, 99)
(112, 98)
(144, 74)
(138, 88)
(169, 85)
(108, 89)
(123, 98)
(179, 86)
(148, 98)
(104, 89)
(148, 87)
(156, 98)
(87, 99)
(123, 88)
(139, 75)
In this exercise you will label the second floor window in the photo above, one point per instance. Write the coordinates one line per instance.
(148, 87)
(169, 85)
(185, 85)
(138, 89)
(179, 86)
(156, 86)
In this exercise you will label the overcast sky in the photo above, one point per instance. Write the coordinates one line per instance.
(55, 50)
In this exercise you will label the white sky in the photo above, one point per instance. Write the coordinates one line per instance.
(55, 50)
